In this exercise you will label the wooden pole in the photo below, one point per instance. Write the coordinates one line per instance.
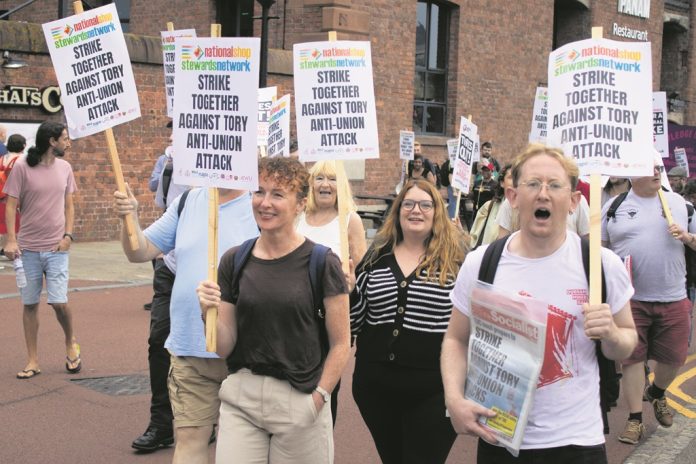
(341, 198)
(213, 205)
(596, 224)
(665, 207)
(170, 26)
(116, 165)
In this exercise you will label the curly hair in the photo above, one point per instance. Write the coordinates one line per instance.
(287, 172)
(328, 169)
(445, 248)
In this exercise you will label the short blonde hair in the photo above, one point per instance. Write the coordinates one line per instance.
(328, 168)
(536, 149)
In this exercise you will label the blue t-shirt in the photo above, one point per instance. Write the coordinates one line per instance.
(188, 236)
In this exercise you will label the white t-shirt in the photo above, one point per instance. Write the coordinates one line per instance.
(578, 222)
(640, 230)
(566, 408)
(328, 235)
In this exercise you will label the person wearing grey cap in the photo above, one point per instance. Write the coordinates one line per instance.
(677, 179)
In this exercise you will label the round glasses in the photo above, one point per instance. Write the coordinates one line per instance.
(424, 205)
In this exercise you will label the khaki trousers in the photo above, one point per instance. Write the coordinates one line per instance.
(266, 420)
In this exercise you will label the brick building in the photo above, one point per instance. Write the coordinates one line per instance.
(433, 62)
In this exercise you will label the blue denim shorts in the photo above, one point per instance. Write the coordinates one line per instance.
(53, 265)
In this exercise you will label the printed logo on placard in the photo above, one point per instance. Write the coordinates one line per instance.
(334, 57)
(86, 29)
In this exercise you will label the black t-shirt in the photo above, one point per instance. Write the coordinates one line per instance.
(277, 326)
(483, 191)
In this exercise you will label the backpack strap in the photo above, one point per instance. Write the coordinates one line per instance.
(317, 264)
(182, 203)
(166, 181)
(491, 257)
(241, 257)
(611, 212)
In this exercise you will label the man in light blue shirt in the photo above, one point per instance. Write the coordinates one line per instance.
(196, 374)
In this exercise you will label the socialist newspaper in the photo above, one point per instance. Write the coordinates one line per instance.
(506, 350)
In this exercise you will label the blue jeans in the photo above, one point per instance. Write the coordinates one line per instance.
(52, 264)
(451, 202)
(571, 454)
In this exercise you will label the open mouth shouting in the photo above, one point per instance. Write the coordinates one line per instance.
(542, 213)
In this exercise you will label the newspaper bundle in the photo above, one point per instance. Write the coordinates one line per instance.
(506, 350)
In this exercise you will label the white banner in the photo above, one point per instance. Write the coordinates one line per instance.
(215, 112)
(406, 144)
(681, 159)
(539, 116)
(335, 101)
(461, 176)
(168, 59)
(94, 72)
(279, 128)
(452, 150)
(600, 106)
(660, 111)
(267, 95)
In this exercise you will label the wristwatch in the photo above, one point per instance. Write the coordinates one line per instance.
(324, 394)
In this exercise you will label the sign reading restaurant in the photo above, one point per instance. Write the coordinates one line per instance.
(640, 8)
(48, 98)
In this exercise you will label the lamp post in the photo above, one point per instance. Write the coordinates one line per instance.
(265, 8)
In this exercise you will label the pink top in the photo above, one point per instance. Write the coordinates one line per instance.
(41, 194)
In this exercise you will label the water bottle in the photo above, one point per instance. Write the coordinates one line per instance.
(19, 271)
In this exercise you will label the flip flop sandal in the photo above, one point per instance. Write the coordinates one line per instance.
(31, 373)
(78, 360)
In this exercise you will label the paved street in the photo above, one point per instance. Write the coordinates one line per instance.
(94, 415)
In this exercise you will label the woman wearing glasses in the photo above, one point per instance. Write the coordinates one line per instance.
(400, 309)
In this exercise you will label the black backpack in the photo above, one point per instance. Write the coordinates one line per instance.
(609, 379)
(317, 262)
(689, 254)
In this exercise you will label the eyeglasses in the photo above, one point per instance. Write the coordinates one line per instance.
(424, 205)
(553, 187)
(321, 179)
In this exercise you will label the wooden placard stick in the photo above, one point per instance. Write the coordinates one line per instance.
(665, 207)
(116, 165)
(170, 26)
(213, 205)
(341, 198)
(596, 223)
(459, 192)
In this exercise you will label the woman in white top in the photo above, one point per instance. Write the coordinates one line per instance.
(320, 222)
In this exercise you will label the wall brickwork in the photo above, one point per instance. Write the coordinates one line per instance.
(497, 57)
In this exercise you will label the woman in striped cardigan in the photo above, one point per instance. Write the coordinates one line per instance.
(400, 309)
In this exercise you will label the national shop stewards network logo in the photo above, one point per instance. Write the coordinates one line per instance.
(597, 56)
(334, 57)
(85, 29)
(197, 58)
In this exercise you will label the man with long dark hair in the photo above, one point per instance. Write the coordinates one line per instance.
(43, 185)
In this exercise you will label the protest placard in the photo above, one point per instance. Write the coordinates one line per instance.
(279, 128)
(452, 150)
(406, 144)
(600, 106)
(660, 112)
(215, 112)
(169, 60)
(267, 95)
(681, 159)
(93, 70)
(504, 359)
(539, 116)
(334, 101)
(461, 176)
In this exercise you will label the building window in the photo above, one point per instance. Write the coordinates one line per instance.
(123, 7)
(430, 79)
(236, 17)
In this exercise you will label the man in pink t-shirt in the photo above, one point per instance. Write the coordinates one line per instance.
(42, 185)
